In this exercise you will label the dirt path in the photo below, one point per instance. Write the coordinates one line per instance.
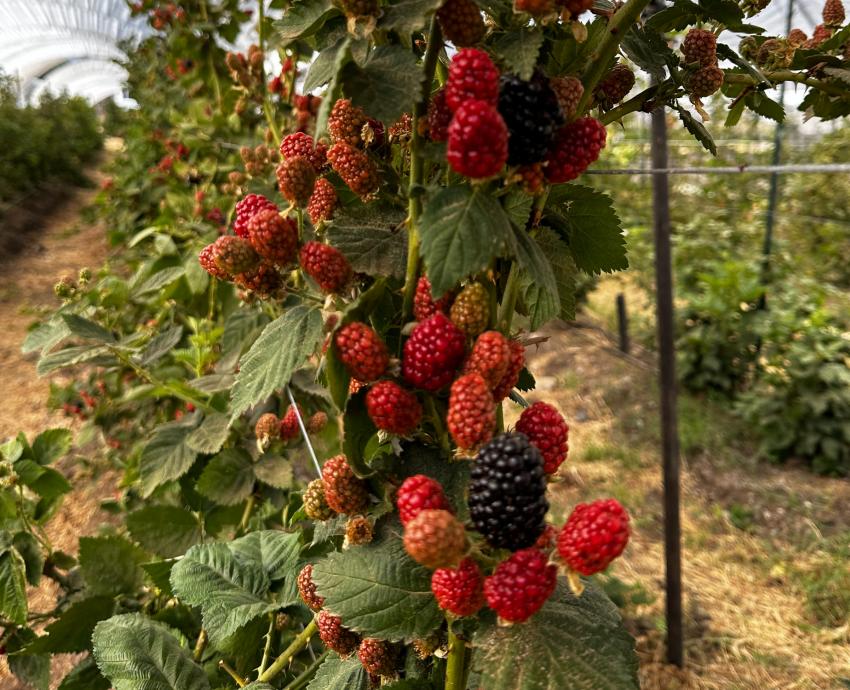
(753, 534)
(62, 246)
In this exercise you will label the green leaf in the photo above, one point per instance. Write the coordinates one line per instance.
(13, 587)
(49, 484)
(159, 573)
(281, 348)
(136, 653)
(31, 551)
(649, 50)
(697, 131)
(228, 478)
(387, 84)
(160, 345)
(357, 430)
(538, 278)
(241, 328)
(303, 19)
(34, 670)
(166, 456)
(229, 592)
(275, 552)
(324, 67)
(85, 676)
(340, 674)
(210, 436)
(337, 378)
(86, 329)
(274, 470)
(71, 356)
(378, 590)
(587, 220)
(50, 445)
(407, 16)
(72, 631)
(735, 113)
(374, 240)
(519, 50)
(44, 336)
(462, 230)
(111, 565)
(167, 531)
(684, 13)
(576, 643)
(517, 205)
(764, 106)
(160, 280)
(563, 267)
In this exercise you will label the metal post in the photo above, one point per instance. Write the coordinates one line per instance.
(623, 322)
(669, 422)
(773, 194)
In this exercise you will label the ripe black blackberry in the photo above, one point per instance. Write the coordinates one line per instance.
(532, 113)
(507, 492)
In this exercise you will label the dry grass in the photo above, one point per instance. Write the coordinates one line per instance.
(747, 624)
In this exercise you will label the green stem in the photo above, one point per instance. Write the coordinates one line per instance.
(267, 105)
(456, 663)
(154, 381)
(787, 75)
(230, 671)
(297, 645)
(200, 645)
(509, 298)
(619, 24)
(305, 677)
(417, 166)
(264, 662)
(630, 106)
(246, 514)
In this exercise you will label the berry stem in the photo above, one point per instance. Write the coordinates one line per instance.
(230, 671)
(786, 75)
(633, 104)
(509, 298)
(267, 649)
(432, 51)
(456, 663)
(301, 641)
(308, 674)
(618, 26)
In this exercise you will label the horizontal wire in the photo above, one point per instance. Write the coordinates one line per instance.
(729, 170)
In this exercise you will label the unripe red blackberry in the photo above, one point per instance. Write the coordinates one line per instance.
(470, 311)
(489, 357)
(532, 114)
(472, 77)
(507, 492)
(615, 86)
(289, 428)
(478, 141)
(548, 432)
(432, 353)
(568, 91)
(461, 22)
(358, 531)
(317, 422)
(392, 408)
(700, 46)
(302, 144)
(322, 202)
(820, 35)
(472, 413)
(315, 505)
(356, 169)
(267, 428)
(833, 13)
(362, 351)
(521, 585)
(345, 493)
(206, 258)
(546, 541)
(307, 589)
(424, 306)
(345, 123)
(233, 255)
(360, 8)
(516, 363)
(378, 657)
(531, 178)
(576, 146)
(593, 536)
(418, 493)
(460, 591)
(797, 38)
(706, 81)
(246, 209)
(536, 8)
(435, 539)
(295, 179)
(263, 280)
(335, 636)
(439, 117)
(326, 265)
(273, 237)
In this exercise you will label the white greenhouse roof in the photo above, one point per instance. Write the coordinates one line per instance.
(68, 45)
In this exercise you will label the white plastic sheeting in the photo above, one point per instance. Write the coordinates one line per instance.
(68, 45)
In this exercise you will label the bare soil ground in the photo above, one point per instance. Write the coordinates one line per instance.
(39, 250)
(755, 536)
